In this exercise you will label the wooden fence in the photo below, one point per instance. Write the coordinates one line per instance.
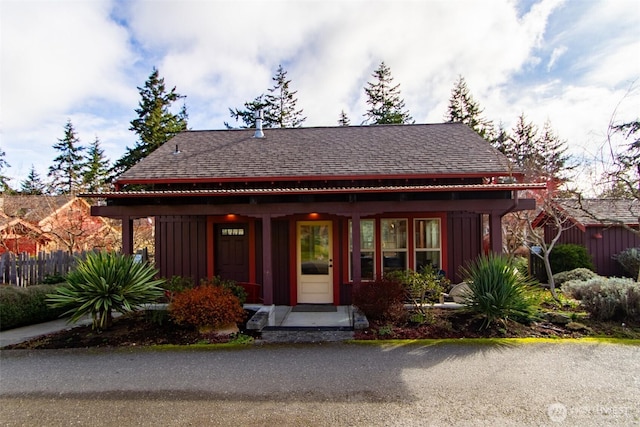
(24, 269)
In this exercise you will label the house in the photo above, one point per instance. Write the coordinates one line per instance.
(20, 236)
(49, 223)
(603, 226)
(308, 212)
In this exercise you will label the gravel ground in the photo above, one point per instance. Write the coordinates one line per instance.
(560, 383)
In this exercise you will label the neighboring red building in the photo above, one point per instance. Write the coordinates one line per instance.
(603, 226)
(49, 223)
(19, 236)
(308, 212)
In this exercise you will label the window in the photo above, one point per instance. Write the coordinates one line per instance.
(367, 249)
(232, 231)
(394, 244)
(427, 242)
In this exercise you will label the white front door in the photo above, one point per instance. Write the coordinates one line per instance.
(314, 262)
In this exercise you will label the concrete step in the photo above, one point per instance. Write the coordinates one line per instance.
(305, 335)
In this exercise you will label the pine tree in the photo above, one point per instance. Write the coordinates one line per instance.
(155, 123)
(463, 108)
(95, 169)
(248, 115)
(4, 180)
(343, 120)
(281, 107)
(278, 106)
(385, 104)
(33, 185)
(65, 171)
(552, 155)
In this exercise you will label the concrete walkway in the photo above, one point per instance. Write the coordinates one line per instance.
(24, 333)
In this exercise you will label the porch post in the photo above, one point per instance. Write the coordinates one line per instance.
(356, 265)
(495, 230)
(267, 263)
(127, 235)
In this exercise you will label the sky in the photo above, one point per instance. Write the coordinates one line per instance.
(575, 63)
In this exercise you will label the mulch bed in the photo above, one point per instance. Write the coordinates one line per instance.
(147, 329)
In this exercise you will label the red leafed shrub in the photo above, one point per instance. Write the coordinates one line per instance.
(206, 305)
(380, 300)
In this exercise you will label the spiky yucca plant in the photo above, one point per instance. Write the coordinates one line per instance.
(104, 282)
(497, 291)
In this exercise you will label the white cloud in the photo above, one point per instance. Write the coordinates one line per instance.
(559, 60)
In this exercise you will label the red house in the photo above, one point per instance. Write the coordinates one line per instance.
(603, 226)
(308, 212)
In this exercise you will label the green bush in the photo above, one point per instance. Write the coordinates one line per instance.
(565, 257)
(608, 298)
(175, 285)
(382, 299)
(629, 259)
(103, 282)
(583, 274)
(25, 306)
(424, 287)
(497, 290)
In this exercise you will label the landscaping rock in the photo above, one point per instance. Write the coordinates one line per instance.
(558, 318)
(575, 326)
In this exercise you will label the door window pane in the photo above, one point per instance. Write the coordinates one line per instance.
(314, 249)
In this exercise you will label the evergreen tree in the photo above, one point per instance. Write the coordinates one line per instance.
(33, 185)
(4, 180)
(280, 103)
(540, 154)
(95, 169)
(248, 115)
(65, 173)
(463, 108)
(385, 104)
(343, 120)
(552, 155)
(278, 106)
(155, 123)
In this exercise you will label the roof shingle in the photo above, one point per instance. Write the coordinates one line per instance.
(449, 149)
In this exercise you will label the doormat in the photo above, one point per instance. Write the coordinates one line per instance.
(314, 308)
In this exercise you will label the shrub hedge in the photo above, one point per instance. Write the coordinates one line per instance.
(608, 298)
(25, 306)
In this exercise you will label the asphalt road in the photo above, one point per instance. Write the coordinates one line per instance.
(321, 385)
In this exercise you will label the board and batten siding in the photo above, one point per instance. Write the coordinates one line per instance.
(464, 242)
(181, 246)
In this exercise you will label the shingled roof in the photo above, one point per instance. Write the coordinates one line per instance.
(588, 212)
(431, 150)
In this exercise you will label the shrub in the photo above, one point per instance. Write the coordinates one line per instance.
(582, 274)
(206, 306)
(565, 257)
(629, 259)
(232, 285)
(53, 279)
(103, 282)
(381, 299)
(608, 298)
(176, 284)
(25, 306)
(497, 291)
(424, 287)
